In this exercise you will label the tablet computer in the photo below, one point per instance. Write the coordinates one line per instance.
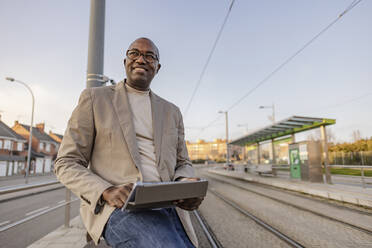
(163, 194)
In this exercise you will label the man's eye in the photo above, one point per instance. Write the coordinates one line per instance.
(133, 53)
(150, 56)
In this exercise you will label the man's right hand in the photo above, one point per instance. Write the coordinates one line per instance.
(116, 196)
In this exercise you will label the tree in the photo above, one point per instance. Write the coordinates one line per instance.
(356, 135)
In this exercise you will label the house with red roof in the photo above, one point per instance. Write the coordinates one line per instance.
(44, 148)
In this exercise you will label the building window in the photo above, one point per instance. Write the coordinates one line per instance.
(1, 144)
(47, 147)
(7, 144)
(19, 146)
(41, 146)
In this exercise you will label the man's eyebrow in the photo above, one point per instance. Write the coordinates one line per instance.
(140, 51)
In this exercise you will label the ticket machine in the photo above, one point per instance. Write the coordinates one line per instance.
(305, 161)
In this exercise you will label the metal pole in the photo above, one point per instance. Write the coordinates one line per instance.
(227, 138)
(31, 124)
(274, 158)
(96, 43)
(362, 171)
(325, 153)
(258, 153)
(343, 159)
(67, 208)
(273, 151)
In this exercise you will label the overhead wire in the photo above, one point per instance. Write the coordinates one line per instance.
(208, 60)
(350, 7)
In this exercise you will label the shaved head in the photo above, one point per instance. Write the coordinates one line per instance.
(149, 41)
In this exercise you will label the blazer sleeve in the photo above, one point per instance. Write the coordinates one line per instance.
(75, 153)
(184, 166)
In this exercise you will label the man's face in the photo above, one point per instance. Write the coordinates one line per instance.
(141, 70)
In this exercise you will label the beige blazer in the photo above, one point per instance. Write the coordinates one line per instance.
(99, 150)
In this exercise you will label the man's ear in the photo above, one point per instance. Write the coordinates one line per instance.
(157, 69)
(125, 61)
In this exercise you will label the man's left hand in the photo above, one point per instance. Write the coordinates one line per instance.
(191, 203)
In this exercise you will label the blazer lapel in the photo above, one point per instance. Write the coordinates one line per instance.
(121, 105)
(157, 123)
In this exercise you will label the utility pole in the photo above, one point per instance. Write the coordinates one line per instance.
(96, 43)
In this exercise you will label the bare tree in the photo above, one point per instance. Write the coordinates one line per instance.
(315, 136)
(356, 135)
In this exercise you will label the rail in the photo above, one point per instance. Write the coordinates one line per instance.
(273, 230)
(211, 238)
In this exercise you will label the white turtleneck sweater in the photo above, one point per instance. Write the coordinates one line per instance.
(140, 105)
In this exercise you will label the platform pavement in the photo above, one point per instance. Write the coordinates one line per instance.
(356, 195)
(74, 237)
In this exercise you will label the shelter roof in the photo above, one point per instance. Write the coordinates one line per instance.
(291, 125)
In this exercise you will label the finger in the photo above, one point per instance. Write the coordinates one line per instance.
(129, 186)
(123, 196)
(118, 203)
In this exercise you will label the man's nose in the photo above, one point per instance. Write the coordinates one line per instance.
(141, 59)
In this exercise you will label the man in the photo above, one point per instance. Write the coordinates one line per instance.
(116, 136)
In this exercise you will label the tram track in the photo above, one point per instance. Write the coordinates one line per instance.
(211, 237)
(297, 206)
(266, 226)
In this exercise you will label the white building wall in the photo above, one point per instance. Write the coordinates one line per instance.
(39, 165)
(2, 168)
(48, 165)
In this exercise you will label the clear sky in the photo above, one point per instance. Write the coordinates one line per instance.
(45, 43)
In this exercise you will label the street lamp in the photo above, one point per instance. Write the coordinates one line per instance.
(273, 114)
(32, 123)
(227, 135)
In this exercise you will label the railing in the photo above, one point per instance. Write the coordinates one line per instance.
(361, 167)
(66, 204)
(274, 168)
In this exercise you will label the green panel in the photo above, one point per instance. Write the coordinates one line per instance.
(285, 140)
(295, 162)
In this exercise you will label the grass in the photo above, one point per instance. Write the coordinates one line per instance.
(351, 172)
(345, 171)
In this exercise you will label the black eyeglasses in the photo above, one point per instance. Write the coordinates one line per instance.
(135, 54)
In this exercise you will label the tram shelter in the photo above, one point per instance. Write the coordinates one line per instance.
(289, 127)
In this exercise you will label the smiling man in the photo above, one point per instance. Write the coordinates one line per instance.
(121, 134)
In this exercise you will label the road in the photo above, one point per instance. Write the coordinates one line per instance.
(19, 180)
(21, 208)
